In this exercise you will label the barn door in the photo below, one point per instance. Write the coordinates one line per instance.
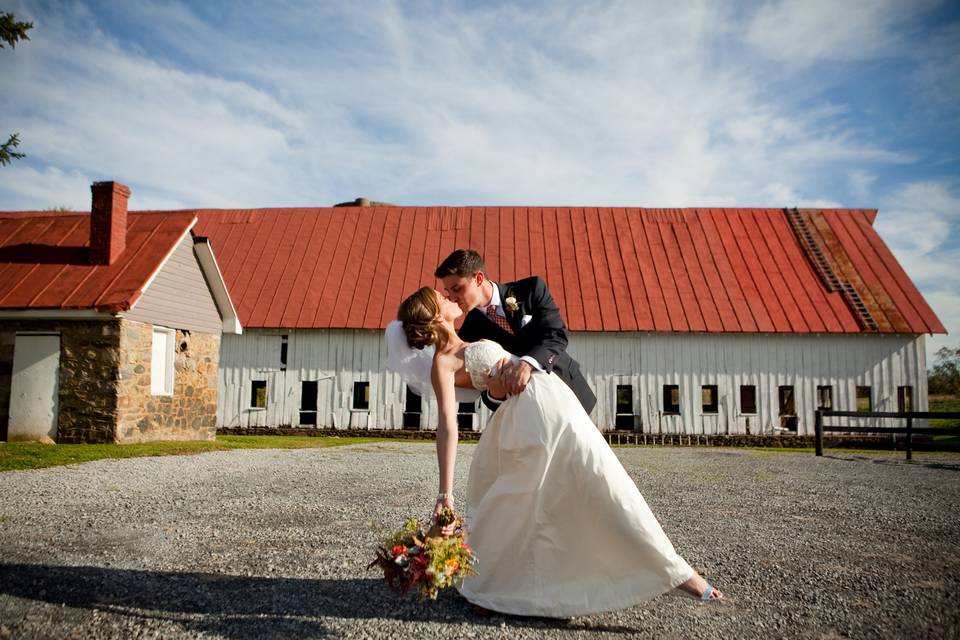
(35, 387)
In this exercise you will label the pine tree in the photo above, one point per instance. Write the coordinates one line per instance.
(12, 32)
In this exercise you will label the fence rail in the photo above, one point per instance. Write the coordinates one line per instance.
(908, 429)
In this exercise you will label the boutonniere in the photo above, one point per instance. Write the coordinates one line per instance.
(511, 303)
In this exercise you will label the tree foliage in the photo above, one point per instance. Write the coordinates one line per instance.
(944, 377)
(7, 154)
(11, 32)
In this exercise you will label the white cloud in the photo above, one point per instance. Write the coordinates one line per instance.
(918, 218)
(860, 182)
(611, 104)
(805, 31)
(946, 304)
(47, 189)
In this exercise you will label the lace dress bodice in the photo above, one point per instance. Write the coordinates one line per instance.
(480, 357)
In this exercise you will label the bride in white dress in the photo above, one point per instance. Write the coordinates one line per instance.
(559, 526)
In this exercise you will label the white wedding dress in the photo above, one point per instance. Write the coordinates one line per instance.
(559, 527)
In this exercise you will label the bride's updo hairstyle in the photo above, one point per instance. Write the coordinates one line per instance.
(419, 314)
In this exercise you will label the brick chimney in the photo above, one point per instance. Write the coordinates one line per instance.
(108, 221)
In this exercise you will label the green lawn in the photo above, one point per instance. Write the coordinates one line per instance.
(31, 455)
(945, 403)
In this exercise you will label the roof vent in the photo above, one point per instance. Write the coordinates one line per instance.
(364, 202)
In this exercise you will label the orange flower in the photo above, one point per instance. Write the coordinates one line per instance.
(399, 550)
(452, 566)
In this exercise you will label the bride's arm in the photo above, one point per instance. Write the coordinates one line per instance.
(442, 377)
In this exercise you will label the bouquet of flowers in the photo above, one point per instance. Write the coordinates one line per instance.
(417, 556)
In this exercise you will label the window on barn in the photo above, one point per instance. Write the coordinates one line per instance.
(864, 402)
(283, 353)
(671, 398)
(825, 397)
(904, 399)
(308, 402)
(258, 394)
(708, 399)
(361, 396)
(788, 408)
(624, 417)
(465, 413)
(161, 362)
(748, 399)
(412, 408)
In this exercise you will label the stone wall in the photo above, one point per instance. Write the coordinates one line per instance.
(105, 393)
(89, 359)
(190, 412)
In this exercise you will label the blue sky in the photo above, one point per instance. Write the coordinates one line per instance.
(658, 104)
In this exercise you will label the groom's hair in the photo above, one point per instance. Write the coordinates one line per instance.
(462, 263)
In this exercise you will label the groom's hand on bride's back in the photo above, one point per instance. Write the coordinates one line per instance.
(516, 376)
(511, 378)
(496, 388)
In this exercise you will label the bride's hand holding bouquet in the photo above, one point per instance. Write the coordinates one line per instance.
(430, 559)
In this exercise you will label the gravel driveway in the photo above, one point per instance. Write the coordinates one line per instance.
(274, 543)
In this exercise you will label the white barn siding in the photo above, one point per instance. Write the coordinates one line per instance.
(646, 361)
(651, 360)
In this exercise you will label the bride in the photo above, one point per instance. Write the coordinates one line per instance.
(558, 525)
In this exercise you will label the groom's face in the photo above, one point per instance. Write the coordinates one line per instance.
(467, 292)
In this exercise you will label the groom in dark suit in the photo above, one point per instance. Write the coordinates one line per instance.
(521, 316)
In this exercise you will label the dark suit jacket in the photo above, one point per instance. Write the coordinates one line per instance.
(544, 338)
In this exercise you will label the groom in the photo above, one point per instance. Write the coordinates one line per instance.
(521, 316)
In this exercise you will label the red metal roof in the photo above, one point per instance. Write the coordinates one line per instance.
(610, 269)
(44, 263)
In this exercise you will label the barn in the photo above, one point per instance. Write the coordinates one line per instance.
(689, 321)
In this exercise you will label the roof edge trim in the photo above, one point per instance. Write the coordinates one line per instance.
(56, 314)
(218, 287)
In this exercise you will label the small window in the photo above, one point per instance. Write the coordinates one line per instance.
(787, 401)
(825, 397)
(361, 396)
(671, 398)
(748, 399)
(283, 353)
(412, 408)
(708, 398)
(788, 408)
(465, 413)
(308, 402)
(258, 394)
(624, 416)
(161, 362)
(904, 399)
(864, 403)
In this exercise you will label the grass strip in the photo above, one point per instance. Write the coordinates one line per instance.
(18, 456)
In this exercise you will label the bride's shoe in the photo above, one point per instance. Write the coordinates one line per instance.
(708, 592)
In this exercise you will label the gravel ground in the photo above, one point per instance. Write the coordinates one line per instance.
(271, 543)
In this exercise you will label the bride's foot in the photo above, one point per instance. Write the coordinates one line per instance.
(698, 587)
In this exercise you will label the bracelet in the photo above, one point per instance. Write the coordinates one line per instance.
(443, 496)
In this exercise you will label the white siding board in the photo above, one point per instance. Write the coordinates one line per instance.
(179, 296)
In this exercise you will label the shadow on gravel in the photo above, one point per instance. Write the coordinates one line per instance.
(245, 606)
(898, 462)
